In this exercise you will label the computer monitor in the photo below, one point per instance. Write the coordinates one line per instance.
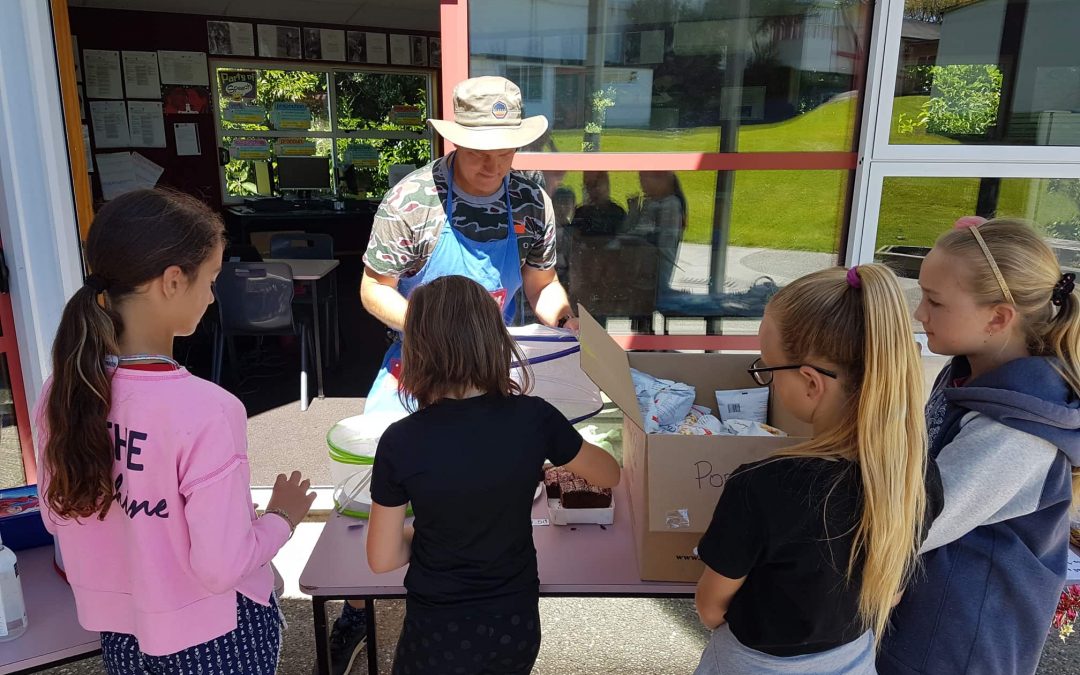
(303, 173)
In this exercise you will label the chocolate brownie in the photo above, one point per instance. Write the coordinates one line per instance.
(578, 494)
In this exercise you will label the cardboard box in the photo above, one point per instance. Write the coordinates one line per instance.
(674, 481)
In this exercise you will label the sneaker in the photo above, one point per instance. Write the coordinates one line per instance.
(347, 639)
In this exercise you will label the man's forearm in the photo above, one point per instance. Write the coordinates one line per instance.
(384, 303)
(551, 305)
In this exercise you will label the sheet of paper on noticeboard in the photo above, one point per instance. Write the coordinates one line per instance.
(146, 124)
(141, 78)
(102, 74)
(400, 50)
(110, 124)
(183, 68)
(230, 38)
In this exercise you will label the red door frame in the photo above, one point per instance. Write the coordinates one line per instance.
(9, 348)
(455, 68)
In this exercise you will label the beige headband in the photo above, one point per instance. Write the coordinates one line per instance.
(993, 264)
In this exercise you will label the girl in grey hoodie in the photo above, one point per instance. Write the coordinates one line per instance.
(1003, 423)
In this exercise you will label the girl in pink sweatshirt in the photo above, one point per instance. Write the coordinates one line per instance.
(144, 471)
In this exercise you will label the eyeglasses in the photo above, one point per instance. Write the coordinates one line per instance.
(764, 376)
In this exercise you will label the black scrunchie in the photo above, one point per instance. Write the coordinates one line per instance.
(97, 282)
(1063, 289)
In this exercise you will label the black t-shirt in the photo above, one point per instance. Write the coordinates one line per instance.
(470, 468)
(593, 219)
(787, 525)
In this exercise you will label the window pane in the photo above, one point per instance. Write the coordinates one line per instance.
(272, 100)
(989, 72)
(365, 164)
(11, 464)
(915, 211)
(631, 244)
(366, 100)
(253, 167)
(647, 76)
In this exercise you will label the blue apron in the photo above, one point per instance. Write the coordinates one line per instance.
(495, 265)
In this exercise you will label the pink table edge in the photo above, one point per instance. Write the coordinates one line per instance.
(577, 560)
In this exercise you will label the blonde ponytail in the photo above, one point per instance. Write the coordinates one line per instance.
(866, 332)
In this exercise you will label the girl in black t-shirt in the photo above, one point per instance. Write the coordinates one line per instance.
(469, 461)
(808, 551)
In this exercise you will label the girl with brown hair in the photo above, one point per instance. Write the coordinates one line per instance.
(468, 460)
(144, 470)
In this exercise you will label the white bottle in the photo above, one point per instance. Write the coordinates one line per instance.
(12, 607)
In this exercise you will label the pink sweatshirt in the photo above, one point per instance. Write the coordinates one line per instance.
(181, 539)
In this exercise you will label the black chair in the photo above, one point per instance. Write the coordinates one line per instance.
(255, 299)
(304, 246)
(241, 253)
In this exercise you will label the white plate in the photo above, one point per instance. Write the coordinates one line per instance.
(539, 491)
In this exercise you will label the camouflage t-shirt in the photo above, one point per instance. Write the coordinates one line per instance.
(410, 217)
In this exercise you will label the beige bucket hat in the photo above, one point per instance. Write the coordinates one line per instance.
(487, 116)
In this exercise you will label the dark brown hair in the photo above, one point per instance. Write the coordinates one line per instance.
(455, 341)
(133, 240)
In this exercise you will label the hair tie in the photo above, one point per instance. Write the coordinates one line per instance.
(1062, 289)
(968, 221)
(974, 230)
(97, 283)
(853, 279)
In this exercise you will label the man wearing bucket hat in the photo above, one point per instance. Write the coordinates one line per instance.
(466, 214)
(463, 214)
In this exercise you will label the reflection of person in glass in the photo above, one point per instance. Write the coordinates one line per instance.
(598, 215)
(660, 216)
(563, 203)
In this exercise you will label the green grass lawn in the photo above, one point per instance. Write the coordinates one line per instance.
(802, 210)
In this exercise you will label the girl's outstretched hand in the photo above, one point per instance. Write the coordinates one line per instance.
(292, 496)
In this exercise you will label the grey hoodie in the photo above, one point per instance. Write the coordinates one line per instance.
(995, 559)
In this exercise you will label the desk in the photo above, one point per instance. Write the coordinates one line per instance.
(350, 229)
(310, 272)
(53, 634)
(587, 561)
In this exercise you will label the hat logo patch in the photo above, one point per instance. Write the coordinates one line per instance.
(499, 110)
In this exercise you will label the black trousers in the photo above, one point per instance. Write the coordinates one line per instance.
(499, 641)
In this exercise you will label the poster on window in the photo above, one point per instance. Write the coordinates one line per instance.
(321, 44)
(244, 113)
(239, 86)
(279, 42)
(362, 157)
(406, 115)
(250, 148)
(229, 38)
(289, 116)
(294, 147)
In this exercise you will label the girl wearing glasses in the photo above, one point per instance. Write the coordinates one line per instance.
(809, 550)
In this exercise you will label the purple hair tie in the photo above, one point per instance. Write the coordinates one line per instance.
(853, 277)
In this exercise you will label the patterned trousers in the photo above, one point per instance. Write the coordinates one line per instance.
(252, 649)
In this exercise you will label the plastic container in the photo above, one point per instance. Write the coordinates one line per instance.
(352, 443)
(12, 606)
(20, 519)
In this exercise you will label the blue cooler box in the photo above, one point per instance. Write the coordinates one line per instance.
(20, 519)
